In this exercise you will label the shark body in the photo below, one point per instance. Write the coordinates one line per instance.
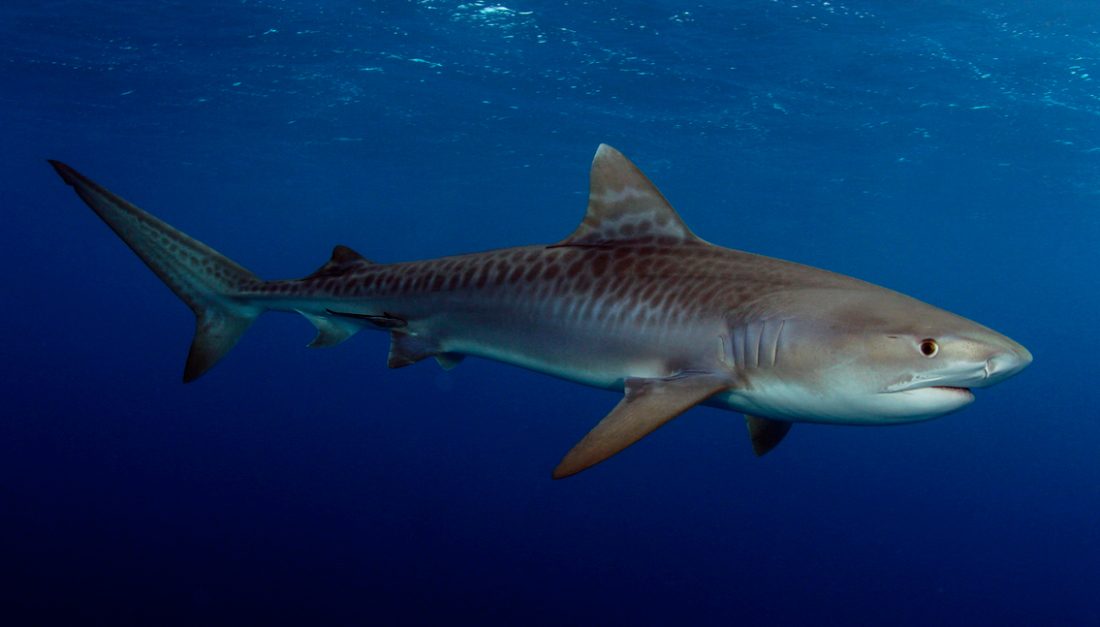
(632, 301)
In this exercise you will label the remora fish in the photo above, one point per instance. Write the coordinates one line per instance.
(632, 301)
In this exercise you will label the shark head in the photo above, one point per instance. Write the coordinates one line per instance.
(873, 356)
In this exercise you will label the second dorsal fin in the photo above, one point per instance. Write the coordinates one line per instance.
(342, 258)
(624, 205)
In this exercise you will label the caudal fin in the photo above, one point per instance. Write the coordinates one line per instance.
(209, 282)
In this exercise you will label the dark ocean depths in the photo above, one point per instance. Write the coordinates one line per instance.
(947, 149)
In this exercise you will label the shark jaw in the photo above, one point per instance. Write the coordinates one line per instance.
(949, 389)
(936, 394)
(848, 404)
(882, 384)
(861, 357)
(632, 300)
(932, 401)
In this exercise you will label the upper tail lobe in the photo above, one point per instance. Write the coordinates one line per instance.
(206, 280)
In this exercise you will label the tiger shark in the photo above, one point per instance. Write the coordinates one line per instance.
(632, 301)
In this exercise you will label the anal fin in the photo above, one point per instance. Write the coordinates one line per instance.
(407, 349)
(765, 433)
(647, 404)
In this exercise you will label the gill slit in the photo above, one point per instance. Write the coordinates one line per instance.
(739, 347)
(760, 341)
(778, 334)
(725, 351)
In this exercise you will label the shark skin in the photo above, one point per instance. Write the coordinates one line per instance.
(632, 301)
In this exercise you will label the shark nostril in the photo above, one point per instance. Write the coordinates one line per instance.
(1007, 363)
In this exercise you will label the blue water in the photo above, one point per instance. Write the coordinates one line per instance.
(947, 149)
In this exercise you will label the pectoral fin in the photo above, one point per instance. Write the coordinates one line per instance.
(765, 433)
(648, 404)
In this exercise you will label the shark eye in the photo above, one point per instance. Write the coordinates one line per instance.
(929, 347)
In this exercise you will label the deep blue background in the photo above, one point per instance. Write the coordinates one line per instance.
(949, 150)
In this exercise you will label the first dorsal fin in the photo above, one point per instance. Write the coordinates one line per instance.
(624, 205)
(342, 258)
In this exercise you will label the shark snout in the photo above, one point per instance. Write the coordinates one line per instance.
(985, 362)
(1005, 362)
(1003, 357)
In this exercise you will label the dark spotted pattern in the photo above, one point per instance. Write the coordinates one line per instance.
(193, 270)
(631, 275)
(640, 283)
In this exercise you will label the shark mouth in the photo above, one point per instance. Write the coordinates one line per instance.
(910, 385)
(950, 388)
(930, 392)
